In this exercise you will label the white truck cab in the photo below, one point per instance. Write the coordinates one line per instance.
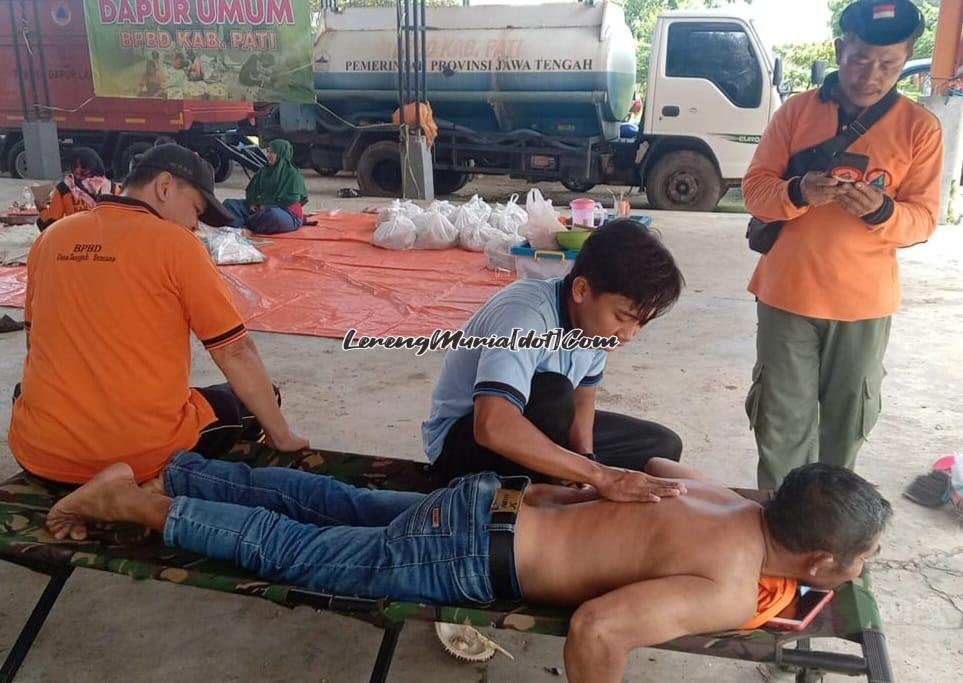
(712, 88)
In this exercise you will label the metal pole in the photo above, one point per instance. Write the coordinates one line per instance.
(416, 29)
(401, 96)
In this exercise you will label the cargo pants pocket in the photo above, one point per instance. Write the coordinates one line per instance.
(754, 396)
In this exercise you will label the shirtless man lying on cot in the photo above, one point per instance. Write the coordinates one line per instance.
(641, 574)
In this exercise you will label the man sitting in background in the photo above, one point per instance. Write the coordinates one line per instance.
(112, 297)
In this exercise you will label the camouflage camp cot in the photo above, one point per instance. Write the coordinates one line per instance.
(126, 549)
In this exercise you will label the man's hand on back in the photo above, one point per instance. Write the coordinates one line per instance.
(818, 189)
(860, 199)
(626, 486)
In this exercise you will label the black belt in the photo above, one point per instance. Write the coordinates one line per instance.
(501, 542)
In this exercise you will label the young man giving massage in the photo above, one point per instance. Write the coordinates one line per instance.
(640, 574)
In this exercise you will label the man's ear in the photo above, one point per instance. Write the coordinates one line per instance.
(819, 562)
(164, 186)
(580, 289)
(840, 45)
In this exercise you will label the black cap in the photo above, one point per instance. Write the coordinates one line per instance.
(190, 167)
(883, 22)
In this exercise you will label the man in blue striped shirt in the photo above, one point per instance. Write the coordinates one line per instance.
(528, 410)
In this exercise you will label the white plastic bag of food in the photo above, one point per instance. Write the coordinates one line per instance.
(398, 234)
(498, 253)
(508, 218)
(542, 224)
(228, 246)
(406, 208)
(445, 208)
(436, 232)
(478, 207)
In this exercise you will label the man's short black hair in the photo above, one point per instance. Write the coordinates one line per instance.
(827, 508)
(626, 258)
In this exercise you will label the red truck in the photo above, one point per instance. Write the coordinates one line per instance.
(45, 73)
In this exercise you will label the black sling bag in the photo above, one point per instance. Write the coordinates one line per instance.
(818, 158)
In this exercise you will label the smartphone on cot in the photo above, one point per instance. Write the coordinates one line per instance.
(802, 610)
(848, 167)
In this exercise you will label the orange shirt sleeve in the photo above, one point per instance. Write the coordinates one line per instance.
(55, 210)
(764, 191)
(205, 297)
(916, 205)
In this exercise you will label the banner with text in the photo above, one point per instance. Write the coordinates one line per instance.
(259, 50)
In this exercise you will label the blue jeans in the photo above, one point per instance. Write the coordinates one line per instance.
(268, 221)
(312, 530)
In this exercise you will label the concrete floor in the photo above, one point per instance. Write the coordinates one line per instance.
(689, 370)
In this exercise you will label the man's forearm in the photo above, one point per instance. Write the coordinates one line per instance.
(520, 441)
(580, 439)
(249, 379)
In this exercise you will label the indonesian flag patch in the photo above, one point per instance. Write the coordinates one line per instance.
(884, 11)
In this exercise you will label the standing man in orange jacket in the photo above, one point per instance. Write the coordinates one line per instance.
(828, 287)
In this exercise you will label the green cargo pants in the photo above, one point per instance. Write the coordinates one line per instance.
(815, 393)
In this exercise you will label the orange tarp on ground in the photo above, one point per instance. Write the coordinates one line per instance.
(324, 280)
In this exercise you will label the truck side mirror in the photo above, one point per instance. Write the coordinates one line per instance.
(818, 74)
(777, 72)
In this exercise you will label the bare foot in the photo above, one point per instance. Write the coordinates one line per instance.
(155, 485)
(95, 501)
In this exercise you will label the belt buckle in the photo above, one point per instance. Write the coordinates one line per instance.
(506, 500)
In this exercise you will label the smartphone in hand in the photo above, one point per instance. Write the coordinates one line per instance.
(848, 167)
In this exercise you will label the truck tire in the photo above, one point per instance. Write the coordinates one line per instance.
(379, 170)
(223, 166)
(449, 182)
(324, 172)
(127, 156)
(683, 181)
(17, 160)
(577, 185)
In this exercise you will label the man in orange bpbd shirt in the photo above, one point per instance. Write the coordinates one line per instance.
(113, 295)
(828, 286)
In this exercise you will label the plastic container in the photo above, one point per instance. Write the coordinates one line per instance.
(583, 212)
(542, 264)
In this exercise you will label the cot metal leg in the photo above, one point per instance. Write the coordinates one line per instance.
(878, 668)
(32, 628)
(385, 653)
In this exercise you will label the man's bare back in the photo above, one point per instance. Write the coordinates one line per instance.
(570, 553)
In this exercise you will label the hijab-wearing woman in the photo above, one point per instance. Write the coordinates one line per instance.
(275, 196)
(78, 191)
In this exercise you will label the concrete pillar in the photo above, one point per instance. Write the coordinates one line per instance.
(949, 110)
(43, 149)
(417, 175)
(947, 45)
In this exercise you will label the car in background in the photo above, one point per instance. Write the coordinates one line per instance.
(915, 81)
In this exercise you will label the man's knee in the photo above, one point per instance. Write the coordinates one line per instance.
(670, 445)
(551, 405)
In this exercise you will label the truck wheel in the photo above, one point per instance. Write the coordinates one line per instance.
(131, 151)
(223, 167)
(17, 160)
(683, 181)
(324, 172)
(449, 182)
(577, 185)
(379, 170)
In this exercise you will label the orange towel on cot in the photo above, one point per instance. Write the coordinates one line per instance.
(428, 125)
(775, 594)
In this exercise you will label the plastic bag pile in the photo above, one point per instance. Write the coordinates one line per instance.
(473, 226)
(443, 225)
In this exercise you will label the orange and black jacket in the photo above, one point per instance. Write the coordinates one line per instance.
(62, 203)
